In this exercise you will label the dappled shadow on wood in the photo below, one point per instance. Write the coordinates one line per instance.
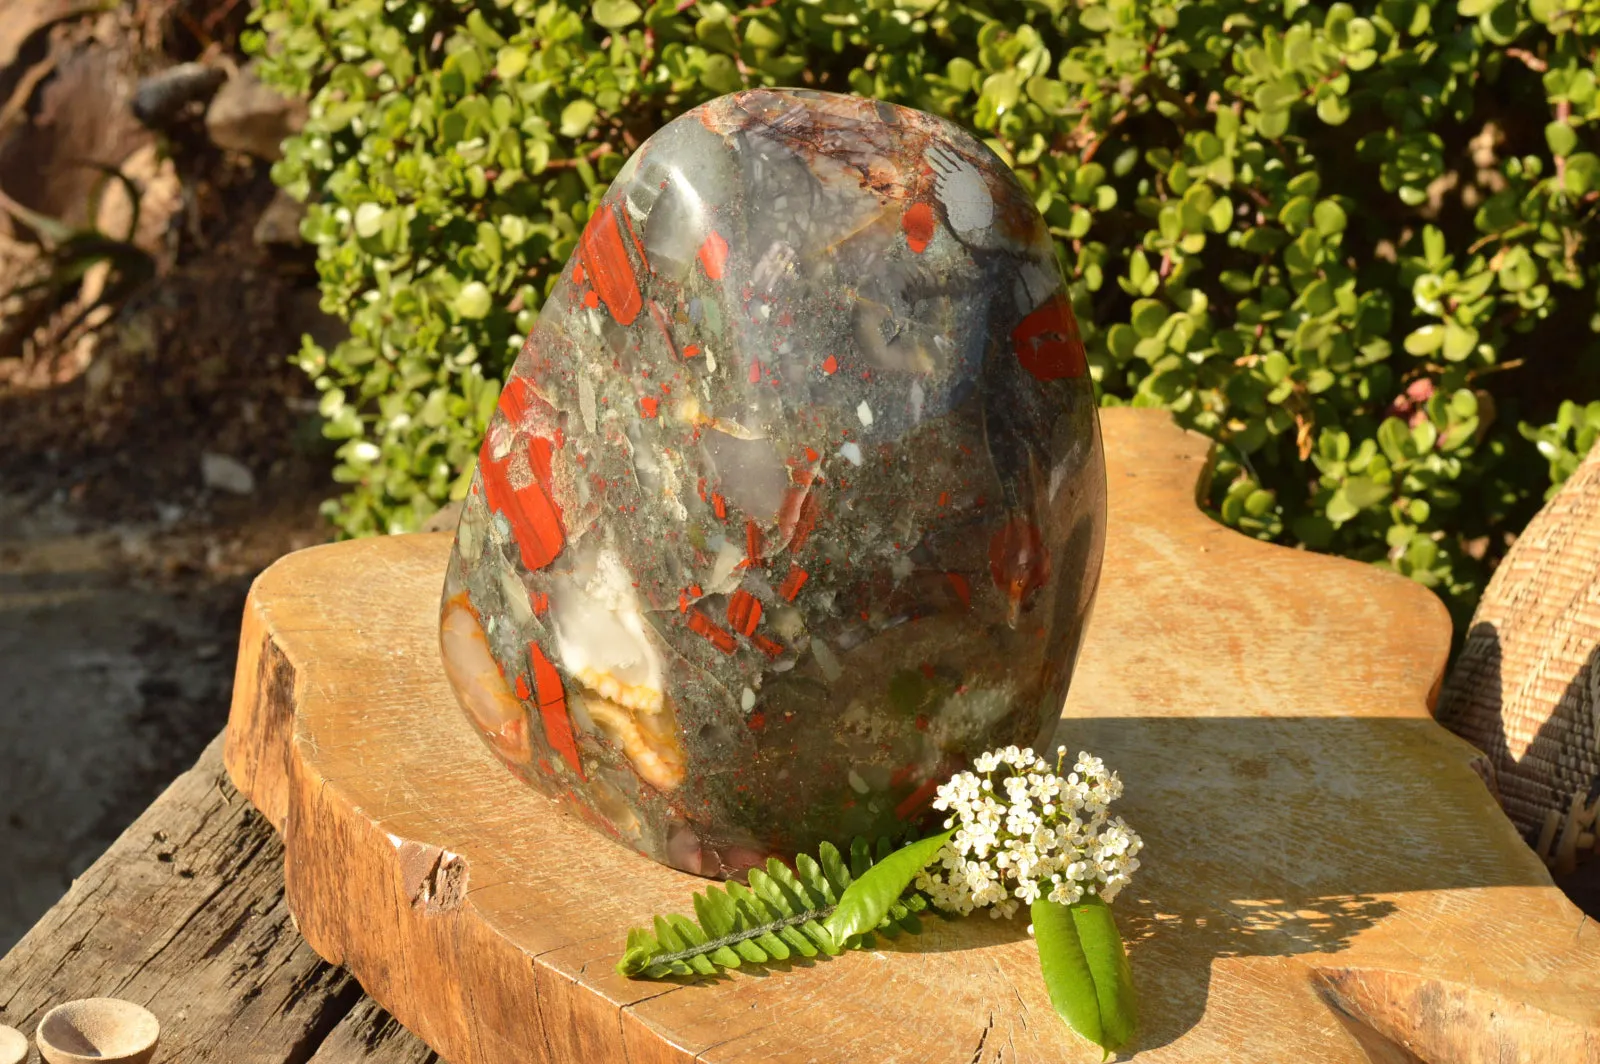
(1266, 838)
(1281, 838)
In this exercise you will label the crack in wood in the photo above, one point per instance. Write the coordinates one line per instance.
(983, 1038)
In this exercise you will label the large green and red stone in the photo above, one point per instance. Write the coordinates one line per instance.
(794, 499)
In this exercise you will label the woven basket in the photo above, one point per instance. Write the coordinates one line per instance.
(1526, 688)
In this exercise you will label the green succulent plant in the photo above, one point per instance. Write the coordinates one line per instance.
(1351, 246)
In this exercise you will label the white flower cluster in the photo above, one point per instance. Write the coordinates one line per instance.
(1023, 830)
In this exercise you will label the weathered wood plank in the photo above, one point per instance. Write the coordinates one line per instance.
(369, 1035)
(185, 914)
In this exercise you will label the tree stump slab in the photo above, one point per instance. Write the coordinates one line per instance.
(1325, 878)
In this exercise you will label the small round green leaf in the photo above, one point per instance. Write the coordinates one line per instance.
(1364, 492)
(1518, 272)
(1561, 137)
(1329, 218)
(1120, 341)
(510, 62)
(576, 118)
(1340, 509)
(1271, 124)
(369, 220)
(473, 301)
(615, 14)
(1220, 215)
(1333, 109)
(1583, 173)
(719, 74)
(1278, 94)
(1425, 341)
(1148, 316)
(1459, 341)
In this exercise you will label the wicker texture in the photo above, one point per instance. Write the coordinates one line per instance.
(1526, 690)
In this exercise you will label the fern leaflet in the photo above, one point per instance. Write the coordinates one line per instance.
(780, 914)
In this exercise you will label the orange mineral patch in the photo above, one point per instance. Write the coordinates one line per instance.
(916, 799)
(1047, 344)
(532, 510)
(541, 453)
(793, 583)
(478, 681)
(606, 259)
(1018, 562)
(712, 632)
(714, 255)
(752, 543)
(797, 516)
(918, 222)
(515, 400)
(744, 612)
(648, 740)
(553, 708)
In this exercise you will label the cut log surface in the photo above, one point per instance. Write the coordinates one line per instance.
(185, 915)
(1325, 877)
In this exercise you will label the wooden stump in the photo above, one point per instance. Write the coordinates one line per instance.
(1326, 877)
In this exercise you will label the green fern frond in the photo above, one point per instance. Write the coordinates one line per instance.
(780, 914)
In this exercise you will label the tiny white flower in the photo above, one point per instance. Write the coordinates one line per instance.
(1050, 836)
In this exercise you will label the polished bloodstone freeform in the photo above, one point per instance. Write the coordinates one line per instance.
(794, 499)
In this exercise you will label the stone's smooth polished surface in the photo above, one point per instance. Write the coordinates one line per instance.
(794, 499)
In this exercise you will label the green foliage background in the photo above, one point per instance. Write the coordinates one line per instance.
(1352, 246)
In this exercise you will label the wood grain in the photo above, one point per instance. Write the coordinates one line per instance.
(369, 1035)
(185, 915)
(1326, 877)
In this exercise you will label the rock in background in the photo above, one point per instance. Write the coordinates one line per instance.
(247, 116)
